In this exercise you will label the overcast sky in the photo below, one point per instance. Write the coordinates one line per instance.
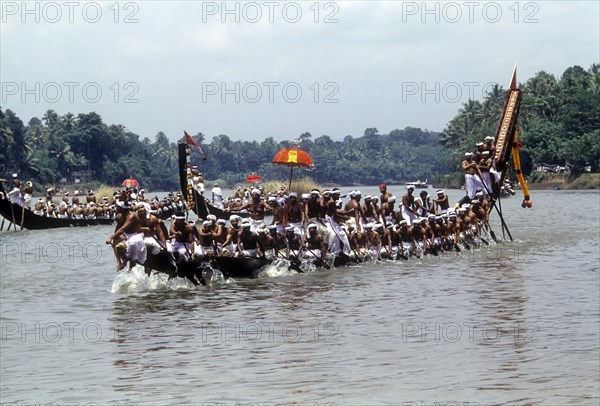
(257, 69)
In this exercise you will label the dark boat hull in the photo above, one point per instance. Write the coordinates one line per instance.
(239, 267)
(32, 221)
(162, 262)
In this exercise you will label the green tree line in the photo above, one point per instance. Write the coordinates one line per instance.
(62, 148)
(559, 121)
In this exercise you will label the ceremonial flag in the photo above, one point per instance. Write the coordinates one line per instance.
(190, 140)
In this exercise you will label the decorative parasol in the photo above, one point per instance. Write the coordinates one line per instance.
(253, 177)
(294, 158)
(130, 182)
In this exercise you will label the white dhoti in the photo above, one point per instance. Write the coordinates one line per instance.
(477, 185)
(229, 249)
(200, 250)
(152, 245)
(297, 228)
(250, 253)
(487, 180)
(340, 239)
(408, 215)
(136, 248)
(256, 224)
(470, 185)
(182, 249)
(16, 197)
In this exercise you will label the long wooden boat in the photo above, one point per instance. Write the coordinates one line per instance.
(31, 221)
(195, 200)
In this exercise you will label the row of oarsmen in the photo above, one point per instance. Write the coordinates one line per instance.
(322, 236)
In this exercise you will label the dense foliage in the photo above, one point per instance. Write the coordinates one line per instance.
(559, 119)
(62, 148)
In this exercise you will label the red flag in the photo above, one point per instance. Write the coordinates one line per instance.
(190, 140)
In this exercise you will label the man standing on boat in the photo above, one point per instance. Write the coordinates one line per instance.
(293, 214)
(197, 180)
(485, 164)
(469, 167)
(256, 207)
(217, 196)
(353, 206)
(27, 194)
(14, 192)
(334, 217)
(408, 206)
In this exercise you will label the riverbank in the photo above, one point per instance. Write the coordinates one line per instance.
(540, 181)
(536, 181)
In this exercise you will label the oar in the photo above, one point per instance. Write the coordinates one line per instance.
(12, 211)
(323, 263)
(22, 216)
(504, 226)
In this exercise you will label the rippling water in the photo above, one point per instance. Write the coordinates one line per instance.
(516, 323)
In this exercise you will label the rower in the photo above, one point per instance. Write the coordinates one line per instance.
(423, 204)
(249, 244)
(313, 244)
(128, 239)
(232, 235)
(441, 203)
(205, 246)
(182, 238)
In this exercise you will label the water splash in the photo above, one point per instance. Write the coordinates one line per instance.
(137, 281)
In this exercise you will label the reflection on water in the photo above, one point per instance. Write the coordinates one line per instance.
(510, 323)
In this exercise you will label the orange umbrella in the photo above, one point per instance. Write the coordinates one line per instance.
(130, 182)
(293, 157)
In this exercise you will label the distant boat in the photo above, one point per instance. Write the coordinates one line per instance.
(419, 184)
(555, 187)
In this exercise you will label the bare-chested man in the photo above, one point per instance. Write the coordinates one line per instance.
(230, 243)
(128, 238)
(441, 202)
(293, 214)
(256, 207)
(423, 204)
(469, 167)
(354, 209)
(313, 245)
(182, 239)
(370, 211)
(249, 244)
(408, 206)
(206, 237)
(385, 195)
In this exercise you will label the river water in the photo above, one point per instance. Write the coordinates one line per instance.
(514, 323)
